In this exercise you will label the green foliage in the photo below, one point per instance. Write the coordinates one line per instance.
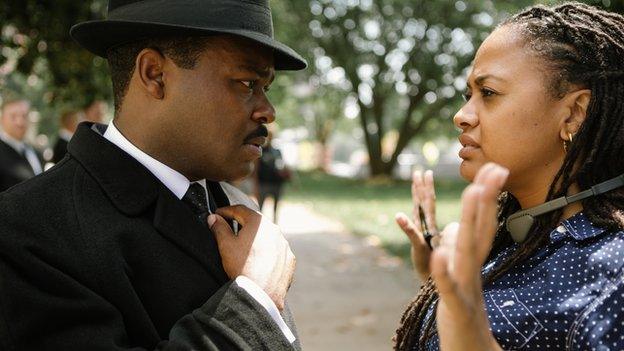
(368, 208)
(382, 57)
(39, 59)
(397, 60)
(402, 62)
(34, 31)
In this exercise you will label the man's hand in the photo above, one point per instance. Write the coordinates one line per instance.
(259, 251)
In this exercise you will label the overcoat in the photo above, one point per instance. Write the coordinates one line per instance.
(97, 254)
(59, 150)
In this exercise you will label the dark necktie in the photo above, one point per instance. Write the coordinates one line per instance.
(195, 198)
(22, 153)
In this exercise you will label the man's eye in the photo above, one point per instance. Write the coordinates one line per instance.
(251, 84)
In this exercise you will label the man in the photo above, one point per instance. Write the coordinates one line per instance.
(18, 160)
(69, 122)
(132, 256)
(95, 111)
(272, 173)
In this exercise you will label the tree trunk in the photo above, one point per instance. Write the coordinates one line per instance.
(323, 156)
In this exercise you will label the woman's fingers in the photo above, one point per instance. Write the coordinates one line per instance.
(423, 199)
(417, 197)
(492, 182)
(429, 201)
(448, 240)
(445, 282)
(466, 265)
(409, 228)
(420, 251)
(482, 172)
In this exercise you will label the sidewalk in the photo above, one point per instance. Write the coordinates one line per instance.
(347, 294)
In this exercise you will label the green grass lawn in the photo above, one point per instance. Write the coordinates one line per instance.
(368, 207)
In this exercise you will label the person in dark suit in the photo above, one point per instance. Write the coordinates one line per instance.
(69, 122)
(133, 241)
(271, 174)
(18, 160)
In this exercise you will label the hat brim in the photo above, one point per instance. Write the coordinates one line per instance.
(100, 36)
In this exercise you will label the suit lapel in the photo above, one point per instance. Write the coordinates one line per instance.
(18, 159)
(135, 192)
(175, 221)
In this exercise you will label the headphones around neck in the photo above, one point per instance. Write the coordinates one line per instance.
(519, 224)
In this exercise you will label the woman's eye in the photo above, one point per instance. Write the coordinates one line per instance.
(467, 96)
(486, 93)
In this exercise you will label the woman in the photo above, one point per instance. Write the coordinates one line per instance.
(545, 100)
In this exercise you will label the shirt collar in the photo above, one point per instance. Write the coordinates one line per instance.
(579, 227)
(172, 179)
(18, 145)
(65, 134)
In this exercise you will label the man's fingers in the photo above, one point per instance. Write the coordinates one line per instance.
(240, 213)
(219, 227)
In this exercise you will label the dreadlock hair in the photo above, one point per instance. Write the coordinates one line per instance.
(582, 46)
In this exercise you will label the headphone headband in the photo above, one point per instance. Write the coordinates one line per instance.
(519, 223)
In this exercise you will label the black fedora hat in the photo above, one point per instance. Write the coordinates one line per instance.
(134, 20)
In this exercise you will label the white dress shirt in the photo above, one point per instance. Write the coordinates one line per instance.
(179, 184)
(65, 134)
(23, 149)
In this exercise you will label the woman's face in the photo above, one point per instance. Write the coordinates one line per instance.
(510, 116)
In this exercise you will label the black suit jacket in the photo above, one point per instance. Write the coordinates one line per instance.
(60, 149)
(14, 168)
(97, 254)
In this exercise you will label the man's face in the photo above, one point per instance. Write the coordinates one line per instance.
(15, 119)
(215, 113)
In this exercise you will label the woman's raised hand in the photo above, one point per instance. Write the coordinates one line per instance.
(423, 199)
(462, 321)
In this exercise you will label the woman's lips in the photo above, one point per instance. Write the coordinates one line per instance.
(466, 151)
(469, 146)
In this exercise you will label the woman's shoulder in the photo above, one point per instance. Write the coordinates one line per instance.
(598, 250)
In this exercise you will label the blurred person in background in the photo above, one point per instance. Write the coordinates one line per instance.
(69, 122)
(271, 175)
(19, 161)
(542, 266)
(95, 111)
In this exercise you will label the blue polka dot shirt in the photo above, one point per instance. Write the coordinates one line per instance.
(568, 296)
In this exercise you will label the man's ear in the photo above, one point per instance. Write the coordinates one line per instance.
(149, 68)
(577, 103)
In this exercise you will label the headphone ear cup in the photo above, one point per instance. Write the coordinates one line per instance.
(519, 225)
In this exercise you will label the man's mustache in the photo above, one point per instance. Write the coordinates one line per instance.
(262, 131)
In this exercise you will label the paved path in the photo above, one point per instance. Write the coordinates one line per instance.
(347, 294)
